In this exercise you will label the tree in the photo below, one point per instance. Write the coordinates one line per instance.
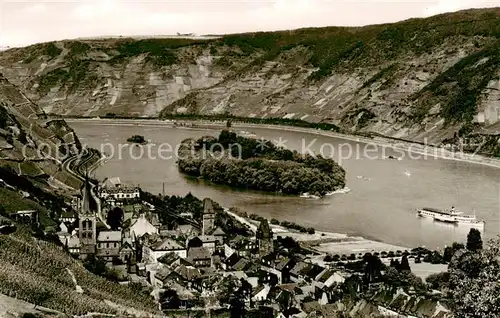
(228, 123)
(170, 300)
(373, 267)
(474, 241)
(405, 265)
(2, 211)
(237, 307)
(95, 265)
(438, 281)
(115, 218)
(473, 286)
(449, 251)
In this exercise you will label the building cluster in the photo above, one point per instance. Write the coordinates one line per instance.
(195, 261)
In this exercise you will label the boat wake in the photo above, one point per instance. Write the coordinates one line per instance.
(340, 191)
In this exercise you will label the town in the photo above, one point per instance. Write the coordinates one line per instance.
(211, 258)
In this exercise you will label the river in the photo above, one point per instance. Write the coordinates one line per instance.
(381, 206)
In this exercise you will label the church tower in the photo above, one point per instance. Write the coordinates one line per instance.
(264, 236)
(87, 223)
(208, 217)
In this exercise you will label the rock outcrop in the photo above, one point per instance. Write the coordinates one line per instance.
(416, 79)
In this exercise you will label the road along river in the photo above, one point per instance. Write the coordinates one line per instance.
(381, 206)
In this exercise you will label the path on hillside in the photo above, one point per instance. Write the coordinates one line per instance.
(78, 288)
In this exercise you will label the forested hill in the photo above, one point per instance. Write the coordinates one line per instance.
(412, 79)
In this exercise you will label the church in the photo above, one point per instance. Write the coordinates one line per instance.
(87, 222)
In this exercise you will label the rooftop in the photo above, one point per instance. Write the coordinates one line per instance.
(167, 244)
(109, 236)
(218, 231)
(195, 253)
(168, 258)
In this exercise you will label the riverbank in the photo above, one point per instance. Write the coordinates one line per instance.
(409, 148)
(324, 242)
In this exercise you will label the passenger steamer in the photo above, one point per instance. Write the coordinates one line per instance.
(450, 216)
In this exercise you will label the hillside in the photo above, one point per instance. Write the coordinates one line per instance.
(413, 79)
(40, 273)
(32, 146)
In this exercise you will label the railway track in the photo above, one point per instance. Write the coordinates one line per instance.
(78, 166)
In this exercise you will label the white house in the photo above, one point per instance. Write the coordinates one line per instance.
(73, 244)
(261, 293)
(142, 226)
(121, 193)
(151, 253)
(328, 277)
(68, 216)
(114, 187)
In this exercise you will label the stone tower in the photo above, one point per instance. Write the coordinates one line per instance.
(265, 238)
(87, 223)
(208, 217)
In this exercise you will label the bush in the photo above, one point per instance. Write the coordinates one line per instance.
(275, 221)
(311, 230)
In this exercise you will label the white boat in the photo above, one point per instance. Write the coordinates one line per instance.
(451, 216)
(247, 134)
(309, 196)
(407, 173)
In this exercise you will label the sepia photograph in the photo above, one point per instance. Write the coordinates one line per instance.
(250, 158)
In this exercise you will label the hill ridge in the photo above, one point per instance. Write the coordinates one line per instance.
(395, 79)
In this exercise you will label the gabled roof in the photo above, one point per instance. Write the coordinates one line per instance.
(258, 290)
(126, 246)
(169, 258)
(109, 236)
(167, 244)
(163, 273)
(325, 275)
(242, 264)
(232, 260)
(188, 273)
(197, 253)
(289, 287)
(207, 238)
(282, 263)
(218, 232)
(68, 214)
(314, 270)
(208, 207)
(299, 268)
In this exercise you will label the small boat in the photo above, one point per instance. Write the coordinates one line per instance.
(407, 173)
(307, 195)
(247, 134)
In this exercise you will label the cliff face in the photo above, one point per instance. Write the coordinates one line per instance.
(414, 79)
(30, 145)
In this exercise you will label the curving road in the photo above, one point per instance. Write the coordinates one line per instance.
(78, 166)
